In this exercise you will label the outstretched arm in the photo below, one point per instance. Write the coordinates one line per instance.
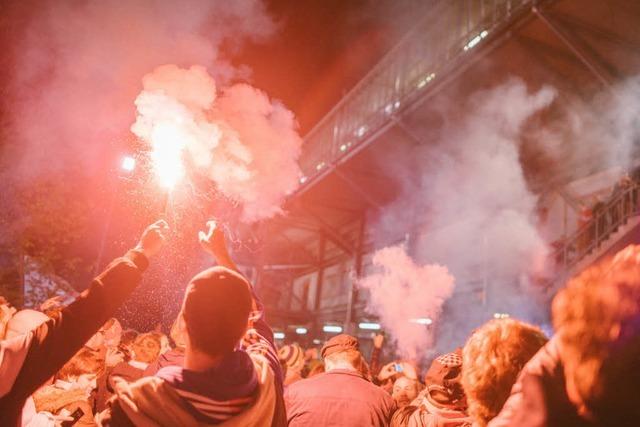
(38, 355)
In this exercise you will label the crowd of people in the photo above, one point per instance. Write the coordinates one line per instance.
(76, 365)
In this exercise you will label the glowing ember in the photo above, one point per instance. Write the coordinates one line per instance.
(168, 143)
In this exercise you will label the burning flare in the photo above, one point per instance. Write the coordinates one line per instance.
(240, 139)
(168, 143)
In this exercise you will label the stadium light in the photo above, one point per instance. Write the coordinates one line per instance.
(422, 321)
(128, 163)
(369, 326)
(278, 335)
(332, 328)
(301, 331)
(317, 341)
(500, 315)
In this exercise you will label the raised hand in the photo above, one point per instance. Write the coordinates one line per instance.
(153, 238)
(213, 240)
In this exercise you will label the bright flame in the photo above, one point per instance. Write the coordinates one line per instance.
(168, 143)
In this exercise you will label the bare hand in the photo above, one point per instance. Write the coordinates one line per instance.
(213, 240)
(387, 371)
(152, 238)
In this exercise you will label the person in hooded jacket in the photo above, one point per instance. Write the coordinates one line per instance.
(29, 359)
(231, 374)
(442, 403)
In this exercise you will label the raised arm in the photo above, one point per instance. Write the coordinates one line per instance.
(259, 336)
(38, 355)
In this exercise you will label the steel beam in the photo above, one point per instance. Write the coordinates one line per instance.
(353, 289)
(557, 30)
(357, 188)
(328, 231)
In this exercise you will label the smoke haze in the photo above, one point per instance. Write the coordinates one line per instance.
(474, 211)
(402, 292)
(241, 140)
(77, 66)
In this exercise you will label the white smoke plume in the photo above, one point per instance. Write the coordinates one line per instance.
(239, 138)
(404, 294)
(76, 67)
(469, 198)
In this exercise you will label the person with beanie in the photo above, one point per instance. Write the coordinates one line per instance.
(342, 395)
(29, 359)
(231, 374)
(292, 357)
(442, 402)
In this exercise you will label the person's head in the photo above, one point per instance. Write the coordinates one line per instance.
(404, 391)
(342, 352)
(216, 309)
(292, 356)
(24, 321)
(443, 382)
(493, 357)
(146, 347)
(82, 369)
(597, 319)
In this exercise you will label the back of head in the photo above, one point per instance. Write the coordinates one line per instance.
(85, 361)
(24, 321)
(343, 352)
(493, 357)
(597, 317)
(216, 310)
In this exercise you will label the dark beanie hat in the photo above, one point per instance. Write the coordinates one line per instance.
(342, 342)
(216, 310)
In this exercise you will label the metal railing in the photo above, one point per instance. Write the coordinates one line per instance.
(449, 31)
(604, 222)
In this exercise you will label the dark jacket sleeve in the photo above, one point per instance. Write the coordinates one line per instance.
(54, 342)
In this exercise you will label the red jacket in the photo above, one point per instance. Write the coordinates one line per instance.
(337, 398)
(28, 360)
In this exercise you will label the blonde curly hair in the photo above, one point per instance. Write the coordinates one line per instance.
(492, 358)
(597, 316)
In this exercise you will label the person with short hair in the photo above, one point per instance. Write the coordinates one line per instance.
(231, 372)
(145, 349)
(493, 357)
(404, 391)
(342, 395)
(175, 356)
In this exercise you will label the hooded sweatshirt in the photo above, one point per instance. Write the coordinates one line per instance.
(244, 389)
(424, 413)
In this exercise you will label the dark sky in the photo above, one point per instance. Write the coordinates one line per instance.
(324, 47)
